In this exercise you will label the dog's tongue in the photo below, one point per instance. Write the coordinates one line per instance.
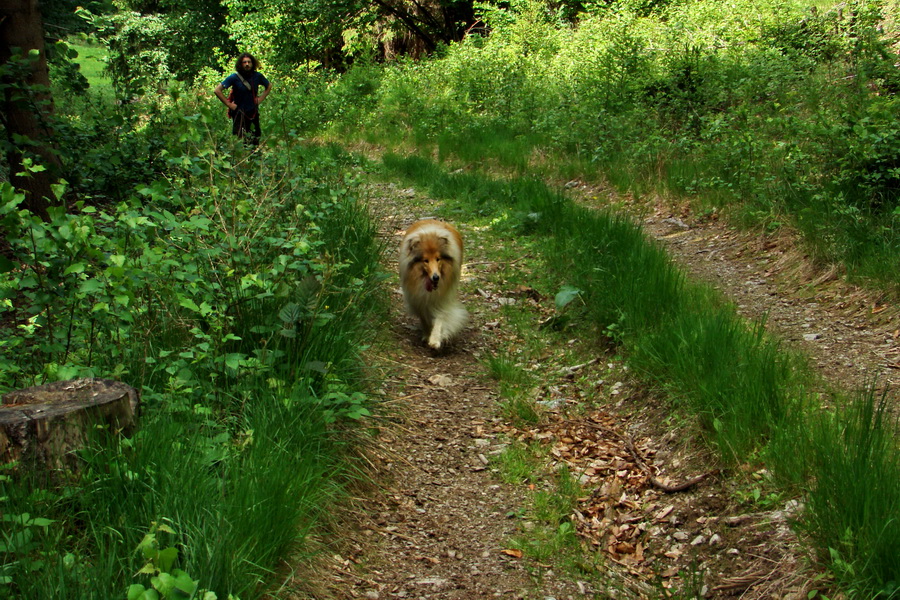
(429, 285)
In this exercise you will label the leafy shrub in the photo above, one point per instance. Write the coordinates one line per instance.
(138, 61)
(237, 293)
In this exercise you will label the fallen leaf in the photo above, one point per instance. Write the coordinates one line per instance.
(515, 553)
(440, 380)
(661, 515)
(639, 552)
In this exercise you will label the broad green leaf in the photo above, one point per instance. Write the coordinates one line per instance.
(58, 189)
(75, 268)
(91, 285)
(147, 543)
(565, 296)
(233, 360)
(164, 583)
(68, 372)
(189, 304)
(318, 366)
(166, 558)
(136, 592)
(184, 583)
(290, 313)
(358, 413)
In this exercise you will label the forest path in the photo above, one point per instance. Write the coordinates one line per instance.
(443, 524)
(441, 527)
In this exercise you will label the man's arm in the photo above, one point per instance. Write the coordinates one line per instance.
(220, 93)
(265, 93)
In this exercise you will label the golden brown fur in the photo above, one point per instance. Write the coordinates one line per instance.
(430, 265)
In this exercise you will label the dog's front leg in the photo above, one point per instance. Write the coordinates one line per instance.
(434, 340)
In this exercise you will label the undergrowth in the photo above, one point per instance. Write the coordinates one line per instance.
(783, 115)
(237, 294)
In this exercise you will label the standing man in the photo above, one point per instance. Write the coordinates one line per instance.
(243, 104)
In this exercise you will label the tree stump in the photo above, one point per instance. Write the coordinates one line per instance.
(44, 426)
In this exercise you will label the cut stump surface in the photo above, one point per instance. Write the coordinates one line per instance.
(44, 425)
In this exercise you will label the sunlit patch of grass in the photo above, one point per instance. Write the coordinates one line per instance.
(92, 62)
(508, 372)
(519, 463)
(853, 498)
(514, 382)
(520, 411)
(549, 536)
(555, 505)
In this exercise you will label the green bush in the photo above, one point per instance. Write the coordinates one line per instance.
(237, 293)
(776, 112)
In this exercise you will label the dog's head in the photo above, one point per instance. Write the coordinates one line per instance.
(430, 259)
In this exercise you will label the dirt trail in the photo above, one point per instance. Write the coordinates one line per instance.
(443, 521)
(442, 527)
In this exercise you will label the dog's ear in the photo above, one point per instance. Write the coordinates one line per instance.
(412, 246)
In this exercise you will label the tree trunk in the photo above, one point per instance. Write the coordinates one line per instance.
(44, 426)
(24, 107)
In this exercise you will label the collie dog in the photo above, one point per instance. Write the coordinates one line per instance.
(430, 267)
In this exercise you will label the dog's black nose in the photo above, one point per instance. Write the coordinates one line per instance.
(435, 278)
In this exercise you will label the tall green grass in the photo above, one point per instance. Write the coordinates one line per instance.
(750, 396)
(849, 463)
(237, 512)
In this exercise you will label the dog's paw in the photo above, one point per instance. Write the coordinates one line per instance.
(434, 343)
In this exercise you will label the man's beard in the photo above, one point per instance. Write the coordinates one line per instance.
(245, 69)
